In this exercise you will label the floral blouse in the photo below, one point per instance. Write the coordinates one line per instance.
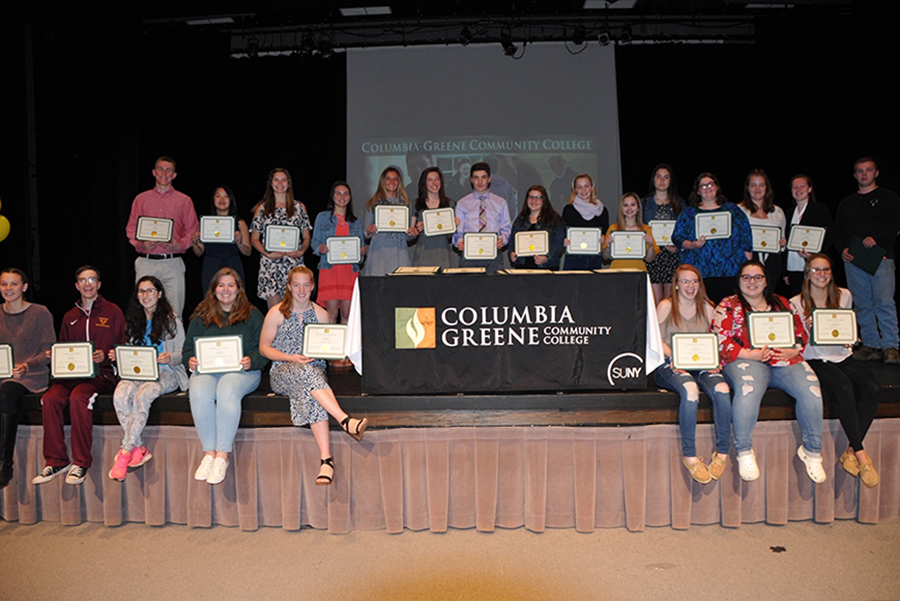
(731, 325)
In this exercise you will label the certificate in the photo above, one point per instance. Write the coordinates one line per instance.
(806, 238)
(154, 229)
(343, 249)
(695, 351)
(137, 363)
(437, 222)
(72, 360)
(628, 245)
(530, 244)
(6, 361)
(416, 270)
(464, 270)
(771, 329)
(218, 354)
(584, 241)
(662, 231)
(480, 246)
(282, 238)
(324, 340)
(766, 239)
(392, 218)
(713, 226)
(834, 326)
(217, 228)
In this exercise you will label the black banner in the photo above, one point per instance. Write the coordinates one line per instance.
(478, 333)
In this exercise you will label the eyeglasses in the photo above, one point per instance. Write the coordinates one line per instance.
(754, 278)
(86, 280)
(689, 282)
(147, 291)
(538, 197)
(817, 270)
(707, 186)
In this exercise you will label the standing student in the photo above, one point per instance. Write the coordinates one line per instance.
(482, 211)
(388, 250)
(759, 206)
(630, 220)
(665, 204)
(217, 256)
(432, 250)
(538, 215)
(584, 210)
(807, 212)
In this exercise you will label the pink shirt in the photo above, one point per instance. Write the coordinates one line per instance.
(170, 204)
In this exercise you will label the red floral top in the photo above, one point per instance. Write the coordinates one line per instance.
(730, 325)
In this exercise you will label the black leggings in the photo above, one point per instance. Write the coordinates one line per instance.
(10, 393)
(852, 387)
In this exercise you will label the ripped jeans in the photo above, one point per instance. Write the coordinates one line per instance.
(749, 381)
(686, 385)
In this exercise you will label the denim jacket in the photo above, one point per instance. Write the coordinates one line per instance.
(326, 224)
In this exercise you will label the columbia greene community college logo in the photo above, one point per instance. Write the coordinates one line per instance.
(414, 327)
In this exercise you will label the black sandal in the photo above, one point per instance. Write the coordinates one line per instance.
(357, 433)
(325, 479)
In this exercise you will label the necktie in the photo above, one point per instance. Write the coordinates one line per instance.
(482, 215)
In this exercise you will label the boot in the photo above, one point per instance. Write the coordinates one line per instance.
(9, 422)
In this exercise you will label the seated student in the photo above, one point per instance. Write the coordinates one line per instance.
(687, 309)
(302, 378)
(538, 215)
(97, 320)
(482, 211)
(630, 220)
(846, 381)
(751, 371)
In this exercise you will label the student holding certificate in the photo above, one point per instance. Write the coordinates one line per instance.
(227, 254)
(761, 211)
(388, 250)
(433, 250)
(584, 211)
(663, 203)
(149, 321)
(687, 309)
(302, 378)
(537, 215)
(752, 369)
(847, 382)
(28, 328)
(630, 220)
(718, 259)
(807, 212)
(216, 396)
(278, 208)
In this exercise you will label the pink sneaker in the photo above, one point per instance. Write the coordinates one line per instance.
(120, 467)
(139, 456)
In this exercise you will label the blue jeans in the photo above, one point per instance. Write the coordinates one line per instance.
(749, 381)
(685, 384)
(873, 299)
(216, 406)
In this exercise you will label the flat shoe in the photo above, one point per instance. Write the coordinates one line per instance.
(747, 466)
(868, 475)
(814, 465)
(697, 470)
(717, 465)
(850, 463)
(218, 470)
(202, 472)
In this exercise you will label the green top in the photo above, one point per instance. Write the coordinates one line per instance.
(249, 330)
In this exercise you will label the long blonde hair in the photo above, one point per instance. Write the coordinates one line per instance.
(381, 193)
(593, 199)
(638, 217)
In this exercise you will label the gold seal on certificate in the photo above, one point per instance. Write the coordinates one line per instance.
(343, 250)
(628, 245)
(695, 351)
(392, 218)
(137, 363)
(324, 340)
(154, 229)
(713, 226)
(834, 326)
(662, 231)
(219, 354)
(282, 238)
(481, 246)
(584, 240)
(438, 222)
(806, 238)
(216, 229)
(766, 239)
(72, 360)
(530, 244)
(6, 361)
(774, 329)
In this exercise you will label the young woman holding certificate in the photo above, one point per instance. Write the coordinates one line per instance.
(663, 203)
(811, 214)
(149, 321)
(388, 248)
(215, 393)
(630, 220)
(28, 329)
(584, 211)
(302, 378)
(846, 382)
(688, 310)
(762, 212)
(752, 368)
(434, 250)
(219, 255)
(537, 215)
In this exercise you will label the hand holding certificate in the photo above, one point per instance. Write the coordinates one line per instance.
(530, 244)
(343, 250)
(282, 238)
(392, 218)
(217, 229)
(766, 239)
(154, 229)
(628, 245)
(773, 329)
(695, 352)
(72, 360)
(219, 354)
(324, 340)
(662, 231)
(439, 222)
(834, 326)
(806, 238)
(481, 246)
(584, 241)
(137, 363)
(713, 226)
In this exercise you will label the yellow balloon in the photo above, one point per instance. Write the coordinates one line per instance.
(4, 228)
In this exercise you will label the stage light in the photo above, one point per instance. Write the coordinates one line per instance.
(625, 36)
(603, 38)
(253, 48)
(579, 36)
(464, 37)
(509, 49)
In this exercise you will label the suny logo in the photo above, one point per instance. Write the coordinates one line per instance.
(625, 366)
(414, 327)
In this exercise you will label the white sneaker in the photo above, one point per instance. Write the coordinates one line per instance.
(217, 473)
(202, 472)
(815, 467)
(747, 466)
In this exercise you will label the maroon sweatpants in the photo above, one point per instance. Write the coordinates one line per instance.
(79, 395)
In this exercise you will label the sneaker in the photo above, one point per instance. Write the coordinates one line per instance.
(76, 474)
(850, 463)
(815, 468)
(867, 353)
(202, 472)
(891, 355)
(120, 467)
(139, 456)
(717, 465)
(49, 473)
(868, 475)
(217, 473)
(747, 466)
